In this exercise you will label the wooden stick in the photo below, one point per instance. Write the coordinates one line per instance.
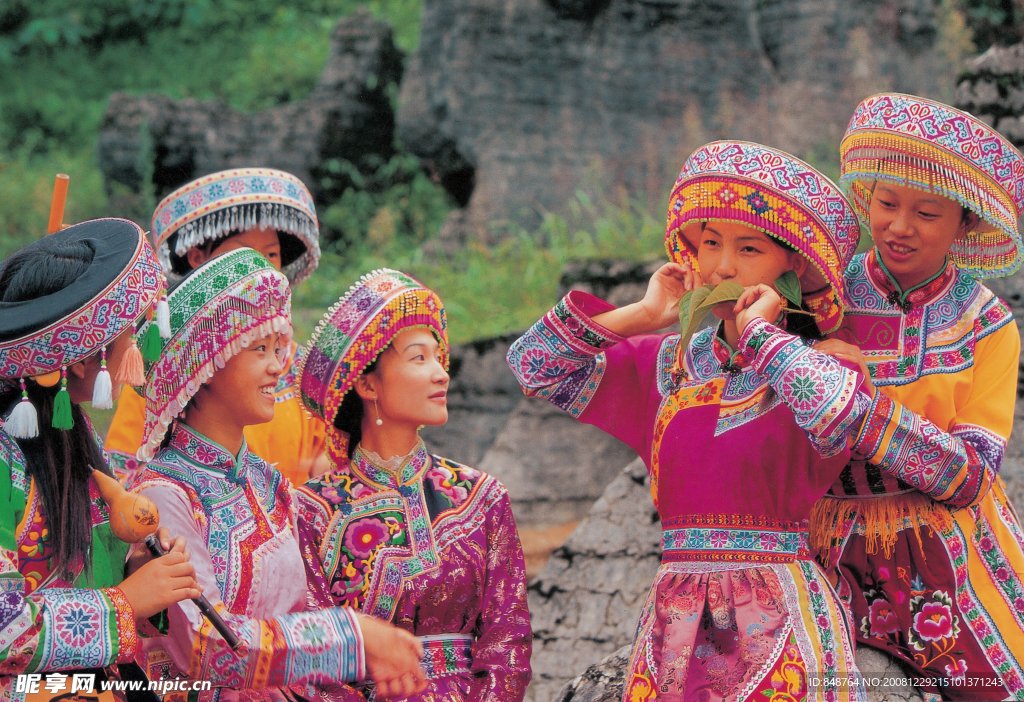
(60, 197)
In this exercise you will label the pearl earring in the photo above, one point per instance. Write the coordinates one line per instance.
(379, 421)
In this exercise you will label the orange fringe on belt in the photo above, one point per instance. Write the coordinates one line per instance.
(884, 518)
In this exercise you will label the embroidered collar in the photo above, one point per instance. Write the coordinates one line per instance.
(917, 296)
(209, 454)
(729, 361)
(409, 471)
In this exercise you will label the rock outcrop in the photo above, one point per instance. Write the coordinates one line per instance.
(347, 116)
(513, 103)
(585, 603)
(992, 88)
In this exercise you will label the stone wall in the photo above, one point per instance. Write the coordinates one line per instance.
(512, 103)
(348, 115)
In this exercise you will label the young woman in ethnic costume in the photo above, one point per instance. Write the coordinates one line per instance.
(68, 306)
(403, 535)
(229, 325)
(922, 530)
(742, 431)
(269, 211)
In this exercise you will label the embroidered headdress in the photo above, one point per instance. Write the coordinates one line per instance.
(40, 338)
(227, 202)
(357, 328)
(215, 312)
(773, 192)
(927, 145)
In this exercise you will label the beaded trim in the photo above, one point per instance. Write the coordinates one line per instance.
(226, 304)
(775, 193)
(357, 328)
(237, 200)
(924, 144)
(94, 325)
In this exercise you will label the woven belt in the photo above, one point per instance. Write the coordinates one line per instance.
(446, 654)
(754, 543)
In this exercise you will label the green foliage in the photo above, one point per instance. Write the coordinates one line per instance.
(788, 284)
(695, 305)
(993, 21)
(491, 291)
(395, 206)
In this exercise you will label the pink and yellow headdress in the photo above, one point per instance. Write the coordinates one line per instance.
(216, 311)
(354, 332)
(924, 144)
(778, 194)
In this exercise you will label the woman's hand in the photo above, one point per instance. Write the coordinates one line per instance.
(392, 658)
(660, 306)
(760, 301)
(849, 353)
(141, 555)
(160, 582)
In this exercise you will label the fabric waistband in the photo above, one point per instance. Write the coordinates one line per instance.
(733, 538)
(446, 654)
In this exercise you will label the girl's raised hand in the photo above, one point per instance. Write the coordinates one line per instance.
(757, 301)
(666, 288)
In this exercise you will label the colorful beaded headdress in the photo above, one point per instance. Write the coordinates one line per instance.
(357, 328)
(930, 146)
(234, 201)
(773, 192)
(216, 311)
(40, 338)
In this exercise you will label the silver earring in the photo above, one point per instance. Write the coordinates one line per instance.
(380, 421)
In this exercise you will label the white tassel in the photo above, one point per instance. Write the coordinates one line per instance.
(163, 318)
(24, 421)
(102, 395)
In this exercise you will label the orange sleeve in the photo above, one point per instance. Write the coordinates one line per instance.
(125, 434)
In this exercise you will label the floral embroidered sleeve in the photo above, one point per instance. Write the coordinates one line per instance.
(299, 648)
(827, 398)
(501, 652)
(52, 628)
(956, 466)
(569, 360)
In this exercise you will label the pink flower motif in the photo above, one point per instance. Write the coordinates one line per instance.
(165, 217)
(934, 622)
(718, 539)
(814, 586)
(829, 658)
(444, 482)
(196, 198)
(360, 490)
(1018, 604)
(276, 186)
(363, 537)
(883, 619)
(957, 669)
(884, 572)
(986, 543)
(956, 549)
(1001, 574)
(769, 542)
(236, 186)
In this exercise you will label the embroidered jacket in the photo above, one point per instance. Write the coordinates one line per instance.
(238, 517)
(739, 446)
(431, 547)
(786, 401)
(945, 354)
(289, 442)
(46, 623)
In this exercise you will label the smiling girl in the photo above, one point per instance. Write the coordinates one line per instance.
(403, 535)
(741, 430)
(271, 212)
(215, 376)
(921, 529)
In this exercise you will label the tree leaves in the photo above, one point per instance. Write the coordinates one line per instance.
(788, 285)
(695, 305)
